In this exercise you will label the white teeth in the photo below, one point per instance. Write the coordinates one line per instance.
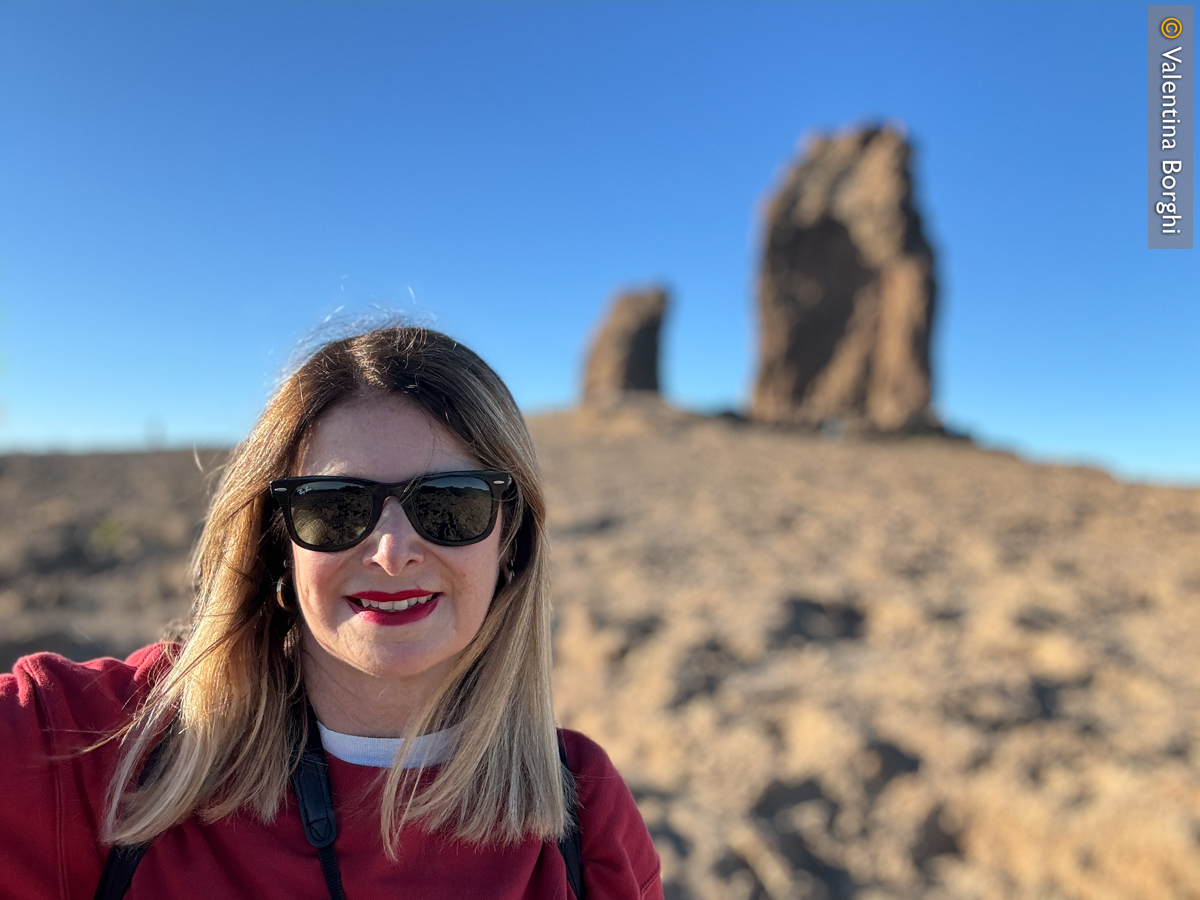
(394, 605)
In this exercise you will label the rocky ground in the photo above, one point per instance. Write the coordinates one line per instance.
(909, 668)
(94, 549)
(854, 669)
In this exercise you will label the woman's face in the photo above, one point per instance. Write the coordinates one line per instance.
(348, 637)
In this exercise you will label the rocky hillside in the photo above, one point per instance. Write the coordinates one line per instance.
(880, 670)
(856, 669)
(94, 549)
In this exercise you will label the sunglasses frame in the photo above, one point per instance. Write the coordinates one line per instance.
(282, 490)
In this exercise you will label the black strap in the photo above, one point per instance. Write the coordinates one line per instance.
(314, 796)
(570, 845)
(121, 861)
(118, 871)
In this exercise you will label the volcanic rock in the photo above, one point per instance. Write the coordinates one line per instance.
(846, 291)
(624, 356)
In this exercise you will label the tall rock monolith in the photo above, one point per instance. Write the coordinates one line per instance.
(624, 355)
(846, 290)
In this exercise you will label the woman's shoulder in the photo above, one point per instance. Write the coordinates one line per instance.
(55, 718)
(74, 694)
(619, 856)
(597, 781)
(584, 754)
(142, 667)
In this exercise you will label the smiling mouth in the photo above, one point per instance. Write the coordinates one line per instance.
(391, 605)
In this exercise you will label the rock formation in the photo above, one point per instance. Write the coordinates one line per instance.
(624, 354)
(846, 292)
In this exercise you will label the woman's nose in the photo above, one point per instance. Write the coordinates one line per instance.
(394, 543)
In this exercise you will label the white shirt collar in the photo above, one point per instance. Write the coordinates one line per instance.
(430, 749)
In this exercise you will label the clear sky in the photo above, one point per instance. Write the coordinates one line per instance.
(188, 189)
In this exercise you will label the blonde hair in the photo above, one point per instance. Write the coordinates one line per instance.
(224, 711)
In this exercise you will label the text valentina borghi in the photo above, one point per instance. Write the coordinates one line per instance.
(1171, 73)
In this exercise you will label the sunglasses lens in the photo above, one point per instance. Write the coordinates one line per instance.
(329, 513)
(452, 509)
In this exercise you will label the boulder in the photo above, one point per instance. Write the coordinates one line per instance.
(623, 360)
(846, 291)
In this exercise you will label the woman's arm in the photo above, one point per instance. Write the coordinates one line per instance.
(52, 796)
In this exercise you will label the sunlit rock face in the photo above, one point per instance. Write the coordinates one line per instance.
(623, 360)
(846, 290)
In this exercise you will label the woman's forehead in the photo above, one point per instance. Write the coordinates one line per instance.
(381, 437)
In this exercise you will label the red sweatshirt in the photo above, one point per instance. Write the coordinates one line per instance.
(51, 803)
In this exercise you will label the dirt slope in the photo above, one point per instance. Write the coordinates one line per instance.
(94, 549)
(902, 669)
(870, 670)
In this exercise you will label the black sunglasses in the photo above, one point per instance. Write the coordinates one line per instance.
(331, 512)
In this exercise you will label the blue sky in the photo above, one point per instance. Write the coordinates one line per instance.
(189, 189)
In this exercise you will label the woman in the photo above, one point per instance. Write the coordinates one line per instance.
(372, 578)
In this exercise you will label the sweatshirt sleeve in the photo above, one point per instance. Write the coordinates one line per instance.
(53, 714)
(619, 859)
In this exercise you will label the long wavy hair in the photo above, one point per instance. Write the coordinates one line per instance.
(224, 711)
